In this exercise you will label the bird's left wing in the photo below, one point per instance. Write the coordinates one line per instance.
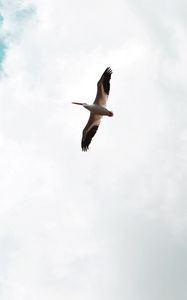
(103, 87)
(90, 130)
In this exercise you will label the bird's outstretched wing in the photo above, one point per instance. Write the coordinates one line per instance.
(90, 130)
(103, 87)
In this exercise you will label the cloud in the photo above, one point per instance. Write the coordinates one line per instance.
(110, 223)
(13, 18)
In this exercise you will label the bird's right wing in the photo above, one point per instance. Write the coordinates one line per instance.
(103, 87)
(90, 130)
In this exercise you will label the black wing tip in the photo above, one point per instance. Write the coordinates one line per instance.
(106, 80)
(108, 71)
(86, 142)
(84, 147)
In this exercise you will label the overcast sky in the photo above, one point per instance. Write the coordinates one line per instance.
(109, 224)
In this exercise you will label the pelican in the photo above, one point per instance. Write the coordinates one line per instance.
(97, 109)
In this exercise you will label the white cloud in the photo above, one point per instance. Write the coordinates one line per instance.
(110, 223)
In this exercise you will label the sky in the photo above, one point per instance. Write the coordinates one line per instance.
(110, 223)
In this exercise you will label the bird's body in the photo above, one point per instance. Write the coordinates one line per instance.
(97, 109)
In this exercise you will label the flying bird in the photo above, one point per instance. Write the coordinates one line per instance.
(97, 109)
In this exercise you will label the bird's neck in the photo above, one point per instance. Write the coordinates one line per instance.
(86, 105)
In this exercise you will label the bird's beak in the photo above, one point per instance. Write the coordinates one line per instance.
(78, 103)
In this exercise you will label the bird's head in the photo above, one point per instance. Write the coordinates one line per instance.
(80, 103)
